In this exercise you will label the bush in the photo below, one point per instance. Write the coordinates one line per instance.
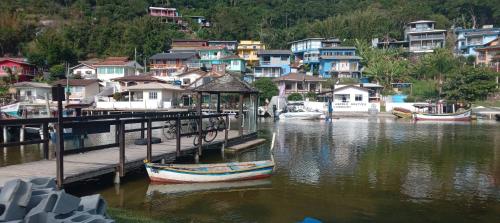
(295, 97)
(312, 96)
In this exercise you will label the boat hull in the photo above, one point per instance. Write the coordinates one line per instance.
(400, 114)
(166, 174)
(464, 116)
(301, 115)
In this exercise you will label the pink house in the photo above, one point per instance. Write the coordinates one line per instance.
(168, 15)
(18, 66)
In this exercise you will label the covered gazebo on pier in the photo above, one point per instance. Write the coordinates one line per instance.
(230, 84)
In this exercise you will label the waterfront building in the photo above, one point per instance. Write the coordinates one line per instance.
(85, 69)
(212, 55)
(191, 76)
(166, 65)
(470, 39)
(352, 98)
(31, 92)
(115, 67)
(248, 49)
(489, 55)
(128, 81)
(231, 45)
(19, 67)
(272, 63)
(300, 83)
(81, 91)
(339, 62)
(423, 37)
(152, 95)
(168, 15)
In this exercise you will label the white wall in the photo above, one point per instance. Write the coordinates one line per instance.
(341, 107)
(85, 72)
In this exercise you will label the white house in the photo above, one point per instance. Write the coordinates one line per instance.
(31, 92)
(352, 98)
(82, 91)
(152, 95)
(115, 67)
(85, 69)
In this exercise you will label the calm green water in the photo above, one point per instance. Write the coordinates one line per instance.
(351, 170)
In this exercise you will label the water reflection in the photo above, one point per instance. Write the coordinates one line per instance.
(348, 170)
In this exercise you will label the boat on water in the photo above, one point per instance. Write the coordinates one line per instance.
(459, 116)
(203, 173)
(301, 114)
(401, 112)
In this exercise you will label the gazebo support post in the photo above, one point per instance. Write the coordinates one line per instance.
(218, 103)
(200, 127)
(240, 116)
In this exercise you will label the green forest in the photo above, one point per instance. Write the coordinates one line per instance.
(53, 32)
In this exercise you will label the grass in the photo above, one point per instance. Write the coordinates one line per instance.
(127, 216)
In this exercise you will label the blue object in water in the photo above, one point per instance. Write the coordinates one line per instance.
(399, 98)
(310, 220)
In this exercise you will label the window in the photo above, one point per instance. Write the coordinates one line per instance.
(186, 81)
(288, 86)
(110, 70)
(87, 72)
(358, 97)
(153, 95)
(235, 63)
(76, 89)
(300, 86)
(312, 87)
(284, 58)
(101, 70)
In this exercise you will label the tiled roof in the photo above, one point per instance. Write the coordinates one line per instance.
(155, 86)
(137, 78)
(15, 59)
(76, 82)
(232, 57)
(338, 48)
(298, 77)
(196, 71)
(31, 84)
(274, 52)
(342, 57)
(119, 61)
(226, 84)
(172, 56)
(351, 86)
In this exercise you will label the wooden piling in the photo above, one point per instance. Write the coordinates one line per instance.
(60, 139)
(45, 135)
(200, 125)
(178, 136)
(240, 116)
(121, 139)
(149, 143)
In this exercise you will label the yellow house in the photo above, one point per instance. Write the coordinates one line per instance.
(489, 54)
(248, 49)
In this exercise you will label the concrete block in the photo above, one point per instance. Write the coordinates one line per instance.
(57, 202)
(37, 195)
(81, 217)
(93, 204)
(14, 198)
(40, 217)
(44, 182)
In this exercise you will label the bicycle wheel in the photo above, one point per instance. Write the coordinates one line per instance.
(210, 135)
(168, 130)
(195, 140)
(222, 125)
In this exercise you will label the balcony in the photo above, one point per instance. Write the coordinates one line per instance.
(427, 37)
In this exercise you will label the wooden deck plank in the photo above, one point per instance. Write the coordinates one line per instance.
(94, 163)
(244, 146)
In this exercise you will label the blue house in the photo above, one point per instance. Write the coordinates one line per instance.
(470, 39)
(273, 63)
(340, 62)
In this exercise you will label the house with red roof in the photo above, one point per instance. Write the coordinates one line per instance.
(20, 67)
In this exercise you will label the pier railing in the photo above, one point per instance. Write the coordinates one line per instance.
(102, 123)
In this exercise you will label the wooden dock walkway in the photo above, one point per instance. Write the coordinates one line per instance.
(82, 166)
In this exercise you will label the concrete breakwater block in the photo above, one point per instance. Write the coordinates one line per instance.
(14, 198)
(93, 204)
(39, 201)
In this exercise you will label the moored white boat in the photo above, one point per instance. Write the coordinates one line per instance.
(301, 114)
(461, 116)
(217, 172)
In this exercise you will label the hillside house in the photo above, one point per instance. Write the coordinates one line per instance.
(187, 45)
(167, 15)
(31, 92)
(115, 67)
(489, 55)
(273, 63)
(248, 49)
(470, 39)
(19, 67)
(128, 81)
(339, 62)
(423, 37)
(229, 44)
(85, 69)
(167, 65)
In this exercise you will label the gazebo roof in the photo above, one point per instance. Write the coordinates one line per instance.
(226, 84)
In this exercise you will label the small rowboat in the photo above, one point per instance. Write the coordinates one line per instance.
(401, 112)
(219, 172)
(462, 116)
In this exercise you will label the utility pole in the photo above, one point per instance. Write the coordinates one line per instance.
(135, 60)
